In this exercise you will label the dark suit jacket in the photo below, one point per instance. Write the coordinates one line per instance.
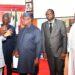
(56, 42)
(9, 46)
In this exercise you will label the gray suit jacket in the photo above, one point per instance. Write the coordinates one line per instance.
(56, 42)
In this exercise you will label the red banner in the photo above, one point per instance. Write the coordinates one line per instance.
(5, 7)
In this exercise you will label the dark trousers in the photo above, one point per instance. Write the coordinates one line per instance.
(8, 62)
(36, 70)
(35, 73)
(51, 65)
(59, 66)
(26, 74)
(56, 66)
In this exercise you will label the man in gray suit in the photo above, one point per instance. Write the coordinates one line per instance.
(54, 39)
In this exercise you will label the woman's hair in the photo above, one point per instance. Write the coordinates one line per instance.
(6, 15)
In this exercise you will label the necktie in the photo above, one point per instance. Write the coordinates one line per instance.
(50, 27)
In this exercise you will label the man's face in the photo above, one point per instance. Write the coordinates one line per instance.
(5, 20)
(49, 15)
(26, 21)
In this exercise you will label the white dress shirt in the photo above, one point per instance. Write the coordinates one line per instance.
(52, 21)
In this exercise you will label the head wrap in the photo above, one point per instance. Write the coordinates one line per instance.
(27, 14)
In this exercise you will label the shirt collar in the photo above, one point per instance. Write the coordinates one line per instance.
(52, 21)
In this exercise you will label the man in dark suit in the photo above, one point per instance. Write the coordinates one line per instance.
(54, 39)
(9, 43)
(28, 46)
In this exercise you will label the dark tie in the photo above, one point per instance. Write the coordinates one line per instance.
(50, 27)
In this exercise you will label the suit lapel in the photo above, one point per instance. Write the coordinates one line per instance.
(47, 29)
(54, 28)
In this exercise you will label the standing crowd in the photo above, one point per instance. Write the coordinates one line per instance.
(31, 42)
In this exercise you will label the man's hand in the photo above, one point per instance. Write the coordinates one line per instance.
(36, 61)
(45, 55)
(3, 30)
(8, 33)
(16, 54)
(62, 56)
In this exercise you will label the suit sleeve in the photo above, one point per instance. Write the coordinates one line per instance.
(43, 39)
(38, 43)
(64, 37)
(17, 41)
(16, 51)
